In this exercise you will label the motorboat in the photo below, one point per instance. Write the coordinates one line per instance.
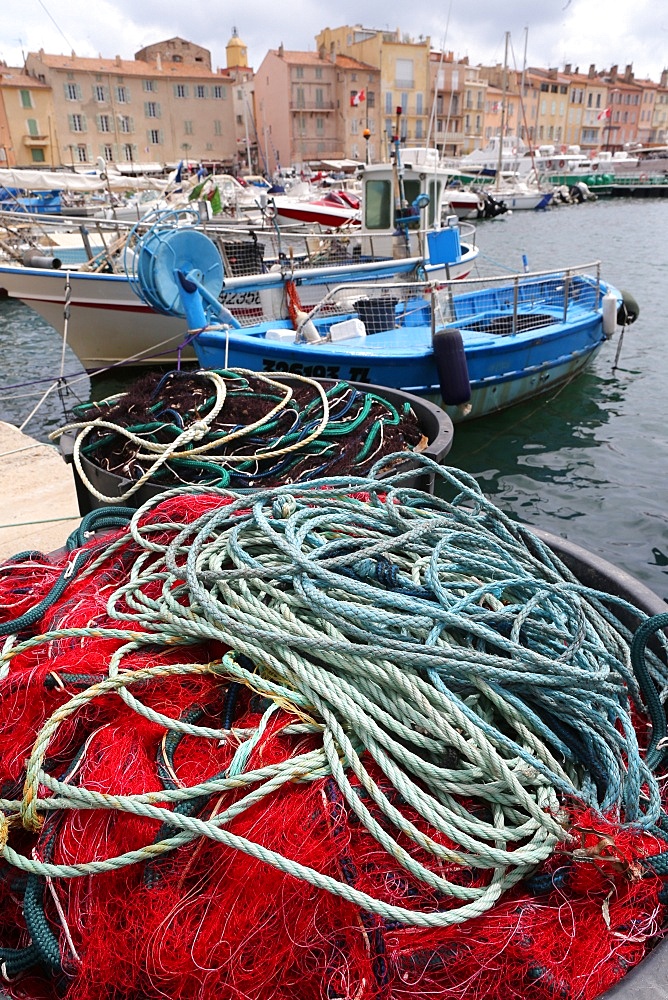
(476, 345)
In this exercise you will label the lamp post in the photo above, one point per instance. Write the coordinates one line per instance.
(366, 133)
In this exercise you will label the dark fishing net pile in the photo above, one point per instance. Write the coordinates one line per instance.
(253, 440)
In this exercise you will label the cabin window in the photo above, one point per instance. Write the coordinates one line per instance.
(378, 204)
(411, 190)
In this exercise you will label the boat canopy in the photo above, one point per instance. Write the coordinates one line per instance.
(61, 180)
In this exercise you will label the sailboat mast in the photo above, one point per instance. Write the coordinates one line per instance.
(504, 93)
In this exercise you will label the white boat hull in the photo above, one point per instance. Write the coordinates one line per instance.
(107, 322)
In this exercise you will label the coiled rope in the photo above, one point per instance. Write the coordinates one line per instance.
(432, 640)
(234, 427)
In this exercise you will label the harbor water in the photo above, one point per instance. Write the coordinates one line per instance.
(587, 462)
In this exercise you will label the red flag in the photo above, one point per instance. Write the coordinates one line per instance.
(604, 114)
(356, 98)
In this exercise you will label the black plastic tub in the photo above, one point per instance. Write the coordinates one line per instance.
(600, 574)
(436, 426)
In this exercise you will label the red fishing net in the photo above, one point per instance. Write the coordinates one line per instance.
(207, 919)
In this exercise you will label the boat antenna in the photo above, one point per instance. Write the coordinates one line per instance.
(532, 150)
(436, 79)
(400, 206)
(504, 97)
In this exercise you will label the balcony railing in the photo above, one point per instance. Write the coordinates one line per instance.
(451, 136)
(311, 106)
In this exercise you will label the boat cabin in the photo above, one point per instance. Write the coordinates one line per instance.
(403, 199)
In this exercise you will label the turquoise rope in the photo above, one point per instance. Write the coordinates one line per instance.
(430, 634)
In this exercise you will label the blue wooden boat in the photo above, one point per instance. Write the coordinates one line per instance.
(473, 345)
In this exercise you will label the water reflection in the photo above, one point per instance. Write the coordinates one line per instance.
(569, 464)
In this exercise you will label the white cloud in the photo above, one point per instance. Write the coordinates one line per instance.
(559, 31)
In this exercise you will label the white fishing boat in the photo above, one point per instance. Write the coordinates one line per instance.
(406, 225)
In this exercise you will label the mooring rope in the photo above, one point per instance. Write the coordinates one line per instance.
(431, 639)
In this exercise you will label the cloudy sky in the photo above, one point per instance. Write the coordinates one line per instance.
(579, 32)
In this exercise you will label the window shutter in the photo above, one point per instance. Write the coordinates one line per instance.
(79, 94)
(70, 122)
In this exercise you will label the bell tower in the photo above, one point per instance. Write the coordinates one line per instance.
(236, 52)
